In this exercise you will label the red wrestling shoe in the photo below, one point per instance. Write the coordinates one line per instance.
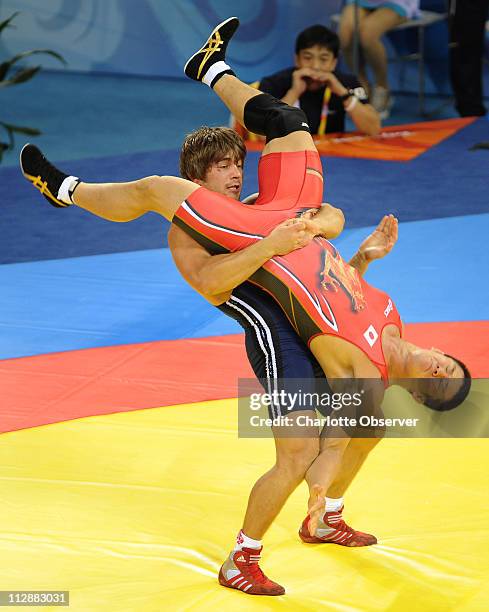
(241, 571)
(332, 529)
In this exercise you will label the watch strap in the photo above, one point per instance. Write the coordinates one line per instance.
(348, 94)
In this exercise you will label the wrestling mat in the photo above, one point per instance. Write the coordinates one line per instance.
(123, 479)
(136, 511)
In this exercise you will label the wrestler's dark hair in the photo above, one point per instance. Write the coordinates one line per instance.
(318, 35)
(206, 146)
(458, 398)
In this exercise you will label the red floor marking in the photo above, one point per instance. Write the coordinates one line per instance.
(466, 340)
(62, 386)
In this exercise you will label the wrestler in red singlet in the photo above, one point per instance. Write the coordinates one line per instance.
(318, 291)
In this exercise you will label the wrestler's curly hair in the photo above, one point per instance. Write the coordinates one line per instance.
(206, 146)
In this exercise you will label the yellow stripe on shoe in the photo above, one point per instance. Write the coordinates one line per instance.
(215, 44)
(42, 186)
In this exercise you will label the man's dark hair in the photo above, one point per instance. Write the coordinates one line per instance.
(206, 146)
(459, 397)
(318, 35)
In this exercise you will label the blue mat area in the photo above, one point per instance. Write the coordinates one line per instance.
(122, 298)
(447, 180)
(35, 230)
(104, 300)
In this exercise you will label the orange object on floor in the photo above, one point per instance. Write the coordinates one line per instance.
(396, 143)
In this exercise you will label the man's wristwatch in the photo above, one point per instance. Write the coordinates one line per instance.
(348, 94)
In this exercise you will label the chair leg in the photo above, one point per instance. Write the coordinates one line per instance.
(421, 69)
(356, 39)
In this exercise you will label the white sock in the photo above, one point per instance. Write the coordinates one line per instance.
(66, 189)
(213, 71)
(243, 541)
(333, 504)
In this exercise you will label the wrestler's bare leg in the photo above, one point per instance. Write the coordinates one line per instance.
(127, 201)
(294, 455)
(235, 94)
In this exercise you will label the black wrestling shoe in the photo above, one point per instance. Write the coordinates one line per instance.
(42, 174)
(213, 51)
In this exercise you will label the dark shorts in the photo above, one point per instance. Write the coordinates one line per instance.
(277, 355)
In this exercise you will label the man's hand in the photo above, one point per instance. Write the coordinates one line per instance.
(377, 245)
(381, 240)
(300, 77)
(334, 84)
(288, 236)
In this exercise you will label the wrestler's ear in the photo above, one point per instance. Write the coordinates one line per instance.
(198, 182)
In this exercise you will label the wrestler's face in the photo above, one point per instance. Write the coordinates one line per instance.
(319, 60)
(436, 375)
(226, 177)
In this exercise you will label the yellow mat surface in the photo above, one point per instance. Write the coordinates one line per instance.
(136, 511)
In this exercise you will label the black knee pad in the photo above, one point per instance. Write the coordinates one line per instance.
(272, 118)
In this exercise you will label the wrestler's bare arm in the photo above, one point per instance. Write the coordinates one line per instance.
(215, 276)
(350, 371)
(330, 221)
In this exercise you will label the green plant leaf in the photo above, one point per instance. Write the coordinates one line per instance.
(6, 23)
(21, 129)
(10, 128)
(5, 66)
(21, 77)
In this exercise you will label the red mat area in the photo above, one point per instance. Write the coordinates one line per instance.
(62, 386)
